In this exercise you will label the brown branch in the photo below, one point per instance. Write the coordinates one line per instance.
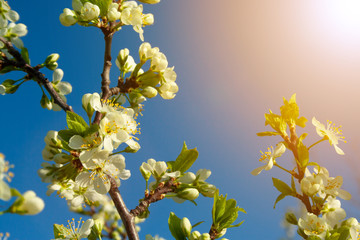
(154, 196)
(126, 217)
(105, 75)
(33, 72)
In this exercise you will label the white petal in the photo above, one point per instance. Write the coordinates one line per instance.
(84, 179)
(258, 170)
(57, 75)
(5, 192)
(64, 88)
(76, 142)
(86, 228)
(338, 150)
(102, 186)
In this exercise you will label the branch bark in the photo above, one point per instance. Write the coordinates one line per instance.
(126, 217)
(156, 195)
(105, 75)
(33, 73)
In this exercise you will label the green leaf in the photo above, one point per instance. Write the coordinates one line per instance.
(185, 159)
(175, 228)
(279, 198)
(303, 151)
(93, 235)
(293, 187)
(263, 134)
(8, 69)
(67, 134)
(282, 187)
(76, 122)
(25, 55)
(92, 129)
(345, 233)
(197, 224)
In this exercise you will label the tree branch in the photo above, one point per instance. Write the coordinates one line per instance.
(126, 217)
(154, 196)
(33, 73)
(105, 75)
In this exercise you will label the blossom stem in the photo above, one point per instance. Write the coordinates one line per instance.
(288, 171)
(316, 143)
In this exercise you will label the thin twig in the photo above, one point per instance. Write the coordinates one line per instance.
(33, 73)
(154, 196)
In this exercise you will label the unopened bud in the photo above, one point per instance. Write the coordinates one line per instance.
(195, 235)
(186, 226)
(205, 236)
(52, 58)
(291, 218)
(62, 158)
(45, 102)
(149, 92)
(189, 194)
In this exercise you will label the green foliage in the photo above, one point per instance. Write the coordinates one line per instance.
(185, 160)
(76, 123)
(25, 55)
(224, 212)
(303, 151)
(284, 189)
(267, 133)
(175, 227)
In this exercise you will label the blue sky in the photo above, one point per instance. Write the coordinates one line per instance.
(218, 109)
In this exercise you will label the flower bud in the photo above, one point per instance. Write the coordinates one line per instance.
(125, 62)
(113, 13)
(186, 226)
(207, 190)
(136, 98)
(89, 12)
(31, 204)
(67, 18)
(189, 194)
(159, 62)
(222, 233)
(61, 158)
(45, 102)
(144, 172)
(148, 19)
(149, 92)
(149, 78)
(195, 235)
(311, 185)
(205, 236)
(291, 218)
(52, 58)
(52, 66)
(86, 99)
(51, 138)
